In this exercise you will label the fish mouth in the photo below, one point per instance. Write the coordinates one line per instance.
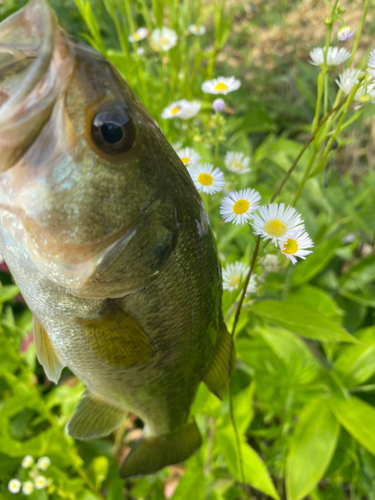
(30, 40)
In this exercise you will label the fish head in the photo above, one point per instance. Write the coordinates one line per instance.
(82, 163)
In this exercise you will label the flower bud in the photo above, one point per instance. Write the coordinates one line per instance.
(364, 98)
(218, 105)
(341, 9)
(344, 33)
(328, 21)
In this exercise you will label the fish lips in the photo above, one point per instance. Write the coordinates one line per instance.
(31, 34)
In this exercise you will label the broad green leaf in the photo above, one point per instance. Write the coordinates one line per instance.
(358, 418)
(8, 292)
(315, 262)
(356, 363)
(359, 275)
(317, 299)
(255, 471)
(293, 352)
(311, 449)
(192, 484)
(365, 298)
(301, 320)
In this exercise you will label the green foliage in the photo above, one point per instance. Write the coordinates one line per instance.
(303, 387)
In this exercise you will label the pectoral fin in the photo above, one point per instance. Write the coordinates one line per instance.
(94, 418)
(46, 353)
(221, 365)
(115, 337)
(150, 454)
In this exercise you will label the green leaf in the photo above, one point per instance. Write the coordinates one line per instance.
(356, 363)
(314, 263)
(302, 321)
(358, 418)
(317, 299)
(192, 484)
(359, 275)
(8, 292)
(292, 351)
(312, 446)
(255, 471)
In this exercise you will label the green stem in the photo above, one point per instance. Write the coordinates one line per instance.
(141, 77)
(362, 22)
(305, 177)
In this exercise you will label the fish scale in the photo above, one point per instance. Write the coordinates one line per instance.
(109, 243)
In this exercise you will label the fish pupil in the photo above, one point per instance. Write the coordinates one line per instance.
(112, 130)
(111, 133)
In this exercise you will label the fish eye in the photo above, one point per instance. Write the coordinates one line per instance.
(112, 130)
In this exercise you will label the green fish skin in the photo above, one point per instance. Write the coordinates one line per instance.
(108, 241)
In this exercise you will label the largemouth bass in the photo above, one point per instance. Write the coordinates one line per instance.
(108, 241)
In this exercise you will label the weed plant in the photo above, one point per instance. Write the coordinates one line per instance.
(295, 235)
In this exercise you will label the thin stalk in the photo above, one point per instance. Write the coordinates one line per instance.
(305, 177)
(362, 22)
(277, 192)
(141, 77)
(245, 285)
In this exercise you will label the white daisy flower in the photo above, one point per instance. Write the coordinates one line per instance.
(174, 110)
(371, 59)
(237, 162)
(14, 486)
(345, 33)
(164, 38)
(347, 79)
(235, 274)
(43, 463)
(221, 85)
(295, 244)
(206, 178)
(335, 56)
(40, 482)
(27, 462)
(371, 63)
(27, 488)
(189, 110)
(140, 34)
(238, 206)
(181, 109)
(188, 156)
(197, 29)
(275, 221)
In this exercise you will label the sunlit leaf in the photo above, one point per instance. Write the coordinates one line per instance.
(356, 363)
(358, 418)
(301, 320)
(312, 446)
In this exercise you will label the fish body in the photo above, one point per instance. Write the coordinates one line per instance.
(108, 241)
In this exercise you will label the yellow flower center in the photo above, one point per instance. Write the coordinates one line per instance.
(185, 160)
(290, 247)
(175, 110)
(221, 86)
(234, 280)
(205, 179)
(136, 36)
(275, 227)
(241, 206)
(237, 165)
(163, 41)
